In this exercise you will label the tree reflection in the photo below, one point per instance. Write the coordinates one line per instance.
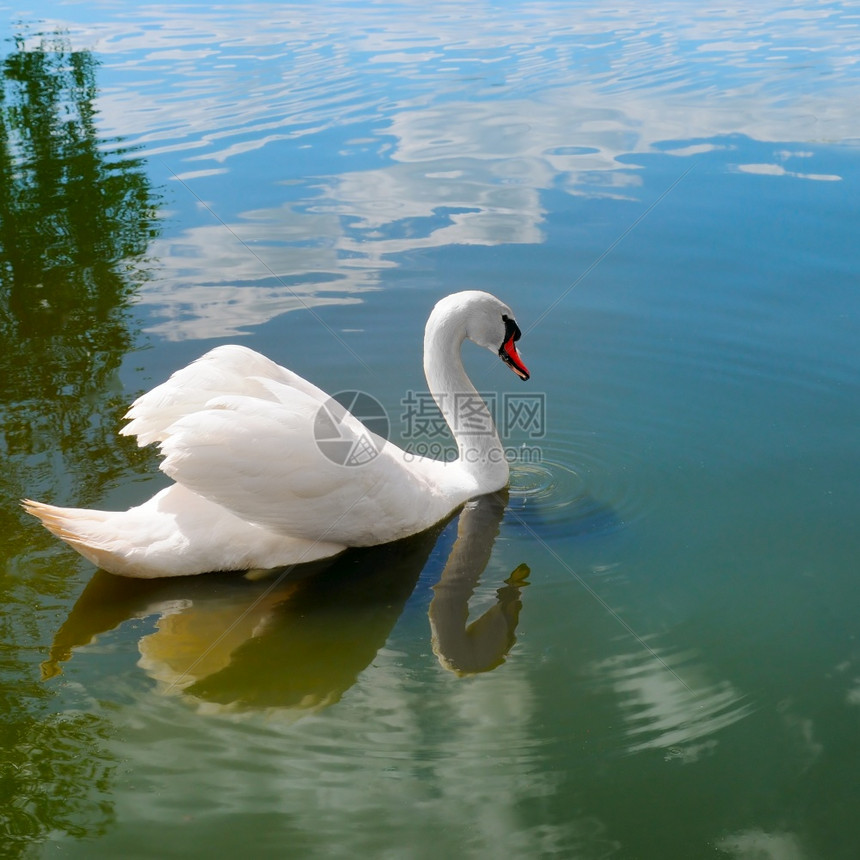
(76, 216)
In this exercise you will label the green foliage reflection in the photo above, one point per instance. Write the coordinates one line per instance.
(76, 217)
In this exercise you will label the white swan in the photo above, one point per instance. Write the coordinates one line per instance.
(253, 488)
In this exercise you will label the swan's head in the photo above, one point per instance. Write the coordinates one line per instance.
(486, 321)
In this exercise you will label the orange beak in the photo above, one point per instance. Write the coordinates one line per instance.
(511, 357)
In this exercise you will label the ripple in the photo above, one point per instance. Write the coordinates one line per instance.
(557, 500)
(669, 701)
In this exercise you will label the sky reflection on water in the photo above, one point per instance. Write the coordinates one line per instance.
(391, 130)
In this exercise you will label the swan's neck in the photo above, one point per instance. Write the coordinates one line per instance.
(480, 451)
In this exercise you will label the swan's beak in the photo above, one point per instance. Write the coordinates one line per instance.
(511, 357)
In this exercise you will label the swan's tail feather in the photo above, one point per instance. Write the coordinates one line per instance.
(87, 531)
(128, 543)
(175, 533)
(64, 522)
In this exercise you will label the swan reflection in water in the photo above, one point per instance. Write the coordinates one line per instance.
(299, 640)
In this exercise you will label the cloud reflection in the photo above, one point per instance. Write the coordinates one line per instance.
(758, 844)
(779, 170)
(460, 124)
(668, 702)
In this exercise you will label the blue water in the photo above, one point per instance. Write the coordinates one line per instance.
(666, 197)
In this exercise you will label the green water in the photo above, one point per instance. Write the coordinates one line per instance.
(664, 661)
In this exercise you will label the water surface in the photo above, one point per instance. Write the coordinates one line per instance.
(663, 660)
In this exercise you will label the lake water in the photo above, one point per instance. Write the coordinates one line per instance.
(667, 196)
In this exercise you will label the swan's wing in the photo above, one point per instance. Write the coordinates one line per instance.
(262, 459)
(225, 370)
